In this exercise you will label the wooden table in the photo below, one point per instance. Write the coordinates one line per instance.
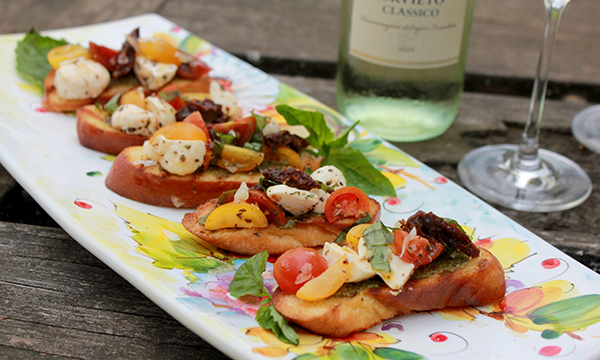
(297, 42)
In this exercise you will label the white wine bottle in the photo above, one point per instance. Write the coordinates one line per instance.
(401, 65)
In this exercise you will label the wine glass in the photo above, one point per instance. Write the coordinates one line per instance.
(586, 128)
(525, 177)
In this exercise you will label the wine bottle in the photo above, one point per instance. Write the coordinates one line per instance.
(401, 65)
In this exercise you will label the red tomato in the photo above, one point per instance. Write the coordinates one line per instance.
(295, 267)
(196, 119)
(346, 202)
(193, 70)
(105, 56)
(419, 251)
(273, 212)
(244, 129)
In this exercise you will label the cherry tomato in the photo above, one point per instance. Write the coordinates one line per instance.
(272, 211)
(295, 267)
(193, 70)
(244, 129)
(196, 119)
(105, 56)
(419, 251)
(346, 202)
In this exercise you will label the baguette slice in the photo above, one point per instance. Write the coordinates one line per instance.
(311, 231)
(53, 102)
(152, 185)
(356, 307)
(95, 132)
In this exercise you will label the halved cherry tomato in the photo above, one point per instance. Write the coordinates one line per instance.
(272, 211)
(180, 131)
(243, 128)
(295, 267)
(105, 56)
(419, 251)
(66, 52)
(193, 70)
(346, 202)
(196, 119)
(161, 49)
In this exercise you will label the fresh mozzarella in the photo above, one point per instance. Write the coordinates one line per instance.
(271, 126)
(80, 79)
(322, 195)
(132, 119)
(180, 157)
(227, 100)
(162, 110)
(330, 176)
(153, 75)
(359, 269)
(242, 193)
(293, 200)
(399, 274)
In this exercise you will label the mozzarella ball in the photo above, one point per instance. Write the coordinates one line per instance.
(330, 176)
(293, 200)
(180, 157)
(132, 119)
(162, 110)
(81, 79)
(153, 75)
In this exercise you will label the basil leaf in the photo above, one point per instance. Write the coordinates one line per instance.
(381, 259)
(320, 136)
(260, 121)
(377, 234)
(256, 146)
(113, 104)
(31, 53)
(225, 138)
(217, 150)
(359, 172)
(248, 278)
(169, 96)
(342, 140)
(342, 236)
(270, 319)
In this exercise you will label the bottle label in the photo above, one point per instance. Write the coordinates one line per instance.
(412, 34)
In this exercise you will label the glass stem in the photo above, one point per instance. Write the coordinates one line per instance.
(527, 156)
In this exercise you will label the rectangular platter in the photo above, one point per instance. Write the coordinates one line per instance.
(552, 306)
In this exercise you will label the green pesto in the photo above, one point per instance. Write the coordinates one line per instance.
(351, 289)
(447, 262)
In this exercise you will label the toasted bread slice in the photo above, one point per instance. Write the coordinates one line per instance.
(446, 282)
(310, 231)
(53, 102)
(95, 132)
(152, 185)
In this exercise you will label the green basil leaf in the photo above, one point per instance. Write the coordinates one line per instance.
(260, 121)
(248, 278)
(31, 53)
(169, 96)
(377, 234)
(320, 136)
(381, 259)
(359, 172)
(342, 140)
(363, 220)
(256, 146)
(225, 138)
(270, 319)
(113, 104)
(217, 150)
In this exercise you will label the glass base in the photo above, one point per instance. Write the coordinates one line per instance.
(586, 128)
(558, 184)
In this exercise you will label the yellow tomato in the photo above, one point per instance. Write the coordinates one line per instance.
(236, 215)
(134, 97)
(326, 284)
(159, 49)
(235, 158)
(66, 52)
(180, 131)
(353, 236)
(285, 155)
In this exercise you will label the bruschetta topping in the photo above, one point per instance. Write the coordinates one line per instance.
(80, 78)
(151, 74)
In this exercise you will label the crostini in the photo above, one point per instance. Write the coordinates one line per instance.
(427, 263)
(189, 162)
(289, 209)
(82, 76)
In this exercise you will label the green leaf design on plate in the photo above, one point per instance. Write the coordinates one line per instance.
(93, 173)
(567, 315)
(171, 245)
(379, 154)
(396, 354)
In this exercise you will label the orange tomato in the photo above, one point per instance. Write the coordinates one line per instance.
(159, 49)
(66, 52)
(180, 131)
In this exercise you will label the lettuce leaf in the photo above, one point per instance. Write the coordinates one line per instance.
(32, 61)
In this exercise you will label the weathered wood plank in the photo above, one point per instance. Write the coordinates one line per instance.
(505, 40)
(58, 299)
